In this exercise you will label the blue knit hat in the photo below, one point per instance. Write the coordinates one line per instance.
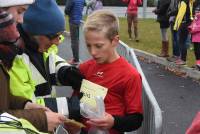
(43, 18)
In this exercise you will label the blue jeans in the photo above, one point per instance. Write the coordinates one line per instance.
(175, 42)
(183, 35)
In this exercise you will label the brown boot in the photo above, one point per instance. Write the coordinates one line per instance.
(164, 49)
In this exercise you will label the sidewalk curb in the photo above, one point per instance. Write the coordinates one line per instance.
(171, 66)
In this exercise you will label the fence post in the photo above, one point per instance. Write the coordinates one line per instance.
(144, 8)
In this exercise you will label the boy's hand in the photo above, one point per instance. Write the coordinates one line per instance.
(106, 122)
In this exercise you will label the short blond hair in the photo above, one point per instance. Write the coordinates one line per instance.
(102, 21)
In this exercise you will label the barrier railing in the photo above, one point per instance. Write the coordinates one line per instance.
(152, 123)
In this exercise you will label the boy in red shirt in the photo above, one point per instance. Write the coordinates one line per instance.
(123, 103)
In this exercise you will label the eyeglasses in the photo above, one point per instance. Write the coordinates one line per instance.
(53, 36)
(15, 124)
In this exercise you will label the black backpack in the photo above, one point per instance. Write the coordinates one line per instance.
(173, 8)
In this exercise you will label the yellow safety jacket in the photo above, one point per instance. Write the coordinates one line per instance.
(25, 77)
(14, 125)
(181, 13)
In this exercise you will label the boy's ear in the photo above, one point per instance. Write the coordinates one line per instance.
(115, 40)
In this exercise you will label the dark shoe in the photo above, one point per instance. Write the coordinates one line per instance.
(137, 40)
(173, 58)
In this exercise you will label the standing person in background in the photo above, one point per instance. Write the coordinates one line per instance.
(132, 17)
(194, 29)
(172, 12)
(183, 20)
(163, 19)
(74, 9)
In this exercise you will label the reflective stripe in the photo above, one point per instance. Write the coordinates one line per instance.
(53, 92)
(37, 77)
(61, 65)
(62, 106)
(52, 65)
(40, 101)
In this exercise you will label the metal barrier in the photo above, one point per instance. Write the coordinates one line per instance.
(152, 123)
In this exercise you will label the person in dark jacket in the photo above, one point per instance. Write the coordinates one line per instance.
(74, 9)
(163, 19)
(41, 117)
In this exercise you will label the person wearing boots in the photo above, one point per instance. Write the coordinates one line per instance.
(183, 20)
(163, 19)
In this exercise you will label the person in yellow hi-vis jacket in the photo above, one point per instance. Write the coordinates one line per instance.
(35, 72)
(41, 117)
(183, 20)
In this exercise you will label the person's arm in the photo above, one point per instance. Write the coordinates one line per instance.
(70, 107)
(71, 76)
(125, 123)
(36, 117)
(128, 122)
(17, 102)
(180, 15)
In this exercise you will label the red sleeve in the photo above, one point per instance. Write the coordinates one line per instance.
(133, 94)
(85, 66)
(82, 68)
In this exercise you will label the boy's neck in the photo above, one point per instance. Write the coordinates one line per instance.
(114, 57)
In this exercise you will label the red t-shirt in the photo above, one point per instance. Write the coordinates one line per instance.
(133, 6)
(123, 82)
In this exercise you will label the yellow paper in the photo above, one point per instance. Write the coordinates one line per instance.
(90, 90)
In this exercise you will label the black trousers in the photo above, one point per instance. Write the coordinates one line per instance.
(197, 50)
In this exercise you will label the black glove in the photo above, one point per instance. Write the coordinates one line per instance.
(70, 76)
(74, 107)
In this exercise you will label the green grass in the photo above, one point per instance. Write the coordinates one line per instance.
(149, 35)
(150, 40)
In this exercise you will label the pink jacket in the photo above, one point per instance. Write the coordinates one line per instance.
(194, 28)
(133, 6)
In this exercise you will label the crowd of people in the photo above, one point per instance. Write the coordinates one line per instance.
(30, 32)
(182, 17)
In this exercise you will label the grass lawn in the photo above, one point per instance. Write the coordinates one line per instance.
(150, 40)
(149, 35)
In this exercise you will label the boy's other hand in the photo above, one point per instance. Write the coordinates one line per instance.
(106, 122)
